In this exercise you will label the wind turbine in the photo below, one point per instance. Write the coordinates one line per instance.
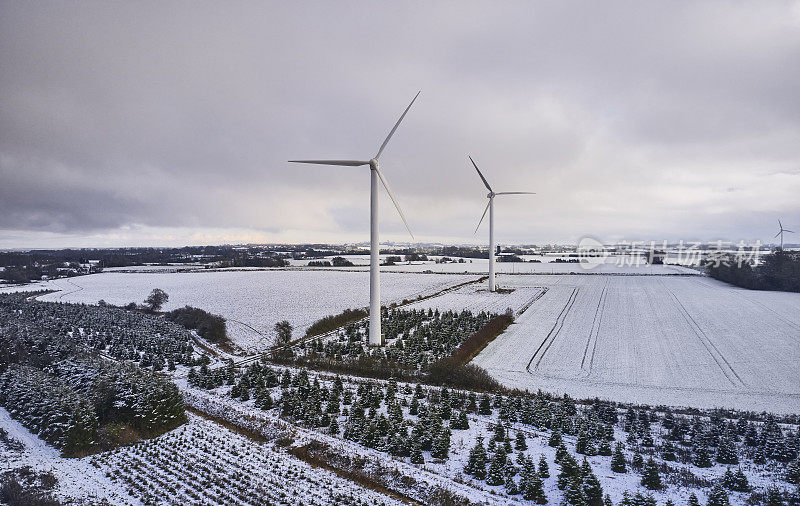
(375, 336)
(780, 233)
(490, 207)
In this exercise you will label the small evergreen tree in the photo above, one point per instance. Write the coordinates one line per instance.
(718, 496)
(561, 453)
(618, 460)
(333, 428)
(460, 421)
(638, 461)
(496, 475)
(569, 470)
(793, 497)
(668, 451)
(441, 445)
(499, 435)
(693, 500)
(774, 497)
(651, 479)
(643, 500)
(520, 443)
(413, 409)
(592, 490)
(726, 452)
(511, 486)
(573, 493)
(793, 472)
(416, 453)
(555, 439)
(476, 465)
(583, 444)
(544, 470)
(485, 406)
(700, 457)
(534, 490)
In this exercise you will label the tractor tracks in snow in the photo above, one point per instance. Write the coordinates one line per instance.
(594, 332)
(541, 351)
(542, 291)
(709, 345)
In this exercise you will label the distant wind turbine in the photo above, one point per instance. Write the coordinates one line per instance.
(490, 207)
(780, 233)
(375, 336)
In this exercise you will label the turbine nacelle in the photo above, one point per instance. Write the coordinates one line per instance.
(373, 164)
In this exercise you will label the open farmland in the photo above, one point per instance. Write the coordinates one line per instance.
(477, 297)
(253, 301)
(613, 264)
(654, 339)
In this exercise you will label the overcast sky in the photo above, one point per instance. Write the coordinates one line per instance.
(170, 123)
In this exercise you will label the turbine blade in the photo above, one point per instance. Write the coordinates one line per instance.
(396, 204)
(485, 182)
(780, 224)
(790, 231)
(482, 217)
(348, 163)
(395, 126)
(516, 193)
(776, 235)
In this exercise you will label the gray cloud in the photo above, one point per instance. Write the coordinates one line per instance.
(121, 121)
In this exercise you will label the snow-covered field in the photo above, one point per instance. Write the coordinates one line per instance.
(28, 287)
(689, 341)
(253, 301)
(617, 264)
(476, 297)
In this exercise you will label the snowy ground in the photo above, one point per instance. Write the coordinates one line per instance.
(253, 301)
(77, 479)
(200, 461)
(476, 297)
(28, 287)
(203, 462)
(686, 341)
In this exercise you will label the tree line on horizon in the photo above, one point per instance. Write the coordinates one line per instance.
(778, 271)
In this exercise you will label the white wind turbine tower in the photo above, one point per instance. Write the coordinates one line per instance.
(780, 233)
(375, 336)
(490, 207)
